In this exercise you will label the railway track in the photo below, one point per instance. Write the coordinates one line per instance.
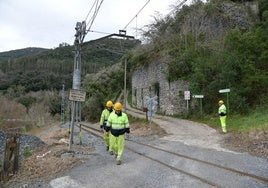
(204, 171)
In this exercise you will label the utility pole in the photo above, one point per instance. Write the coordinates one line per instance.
(62, 104)
(76, 105)
(125, 87)
(81, 31)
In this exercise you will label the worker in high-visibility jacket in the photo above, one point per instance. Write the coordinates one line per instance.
(103, 122)
(222, 114)
(119, 126)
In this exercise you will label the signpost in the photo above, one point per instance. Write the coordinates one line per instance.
(199, 97)
(77, 95)
(187, 96)
(226, 91)
(62, 104)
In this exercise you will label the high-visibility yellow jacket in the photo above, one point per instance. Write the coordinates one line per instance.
(222, 110)
(118, 124)
(104, 118)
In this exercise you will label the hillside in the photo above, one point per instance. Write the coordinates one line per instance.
(13, 54)
(211, 46)
(39, 69)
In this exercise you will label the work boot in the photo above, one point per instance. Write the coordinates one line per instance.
(118, 162)
(111, 152)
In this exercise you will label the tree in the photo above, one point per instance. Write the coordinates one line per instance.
(27, 101)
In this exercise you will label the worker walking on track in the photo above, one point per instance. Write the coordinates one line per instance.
(103, 122)
(118, 125)
(222, 114)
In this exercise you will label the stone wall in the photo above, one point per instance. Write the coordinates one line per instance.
(151, 80)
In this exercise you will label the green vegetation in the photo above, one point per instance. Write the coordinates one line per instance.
(49, 69)
(235, 58)
(106, 85)
(27, 101)
(22, 73)
(204, 44)
(257, 119)
(13, 54)
(27, 151)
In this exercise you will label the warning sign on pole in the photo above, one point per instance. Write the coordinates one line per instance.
(77, 95)
(187, 95)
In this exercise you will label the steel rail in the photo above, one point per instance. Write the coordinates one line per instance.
(93, 132)
(259, 178)
(265, 180)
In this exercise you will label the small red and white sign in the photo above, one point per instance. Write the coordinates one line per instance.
(187, 95)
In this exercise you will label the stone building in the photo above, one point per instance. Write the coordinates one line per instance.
(151, 80)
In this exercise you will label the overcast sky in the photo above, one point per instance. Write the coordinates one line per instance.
(47, 23)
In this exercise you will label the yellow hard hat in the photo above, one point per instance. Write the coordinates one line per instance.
(221, 102)
(118, 106)
(109, 104)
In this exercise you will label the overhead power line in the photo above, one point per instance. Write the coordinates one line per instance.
(90, 9)
(100, 32)
(82, 28)
(97, 8)
(136, 14)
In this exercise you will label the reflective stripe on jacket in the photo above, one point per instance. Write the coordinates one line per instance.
(222, 110)
(104, 117)
(118, 125)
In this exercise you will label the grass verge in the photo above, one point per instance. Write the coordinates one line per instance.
(256, 119)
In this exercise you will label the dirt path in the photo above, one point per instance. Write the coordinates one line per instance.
(53, 160)
(187, 132)
(201, 135)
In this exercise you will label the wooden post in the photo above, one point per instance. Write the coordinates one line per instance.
(11, 156)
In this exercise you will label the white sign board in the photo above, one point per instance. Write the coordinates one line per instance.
(224, 91)
(77, 95)
(187, 95)
(198, 96)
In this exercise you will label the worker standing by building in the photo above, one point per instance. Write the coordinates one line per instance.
(103, 122)
(222, 114)
(119, 126)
